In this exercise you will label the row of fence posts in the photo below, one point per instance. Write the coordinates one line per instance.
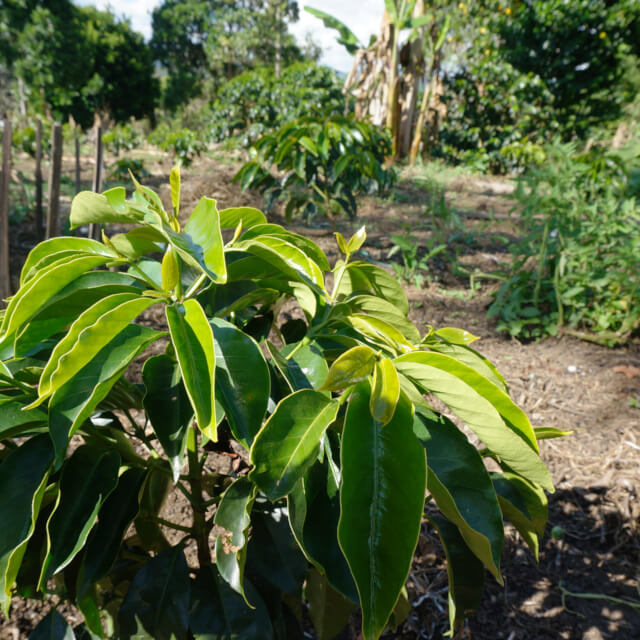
(52, 228)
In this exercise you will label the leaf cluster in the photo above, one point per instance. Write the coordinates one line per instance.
(322, 163)
(339, 442)
(184, 144)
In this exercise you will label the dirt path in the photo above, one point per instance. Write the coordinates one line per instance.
(562, 382)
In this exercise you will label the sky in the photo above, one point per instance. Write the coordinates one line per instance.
(362, 17)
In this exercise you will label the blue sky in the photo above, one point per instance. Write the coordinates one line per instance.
(362, 17)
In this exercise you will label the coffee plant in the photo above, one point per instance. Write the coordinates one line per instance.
(322, 164)
(128, 366)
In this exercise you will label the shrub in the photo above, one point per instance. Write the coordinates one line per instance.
(334, 441)
(121, 169)
(577, 265)
(322, 163)
(121, 137)
(184, 144)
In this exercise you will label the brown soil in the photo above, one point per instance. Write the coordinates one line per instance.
(587, 572)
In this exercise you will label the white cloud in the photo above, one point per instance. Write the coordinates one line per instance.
(363, 18)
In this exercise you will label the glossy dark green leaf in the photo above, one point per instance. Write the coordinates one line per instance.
(15, 421)
(461, 486)
(302, 366)
(525, 505)
(351, 367)
(104, 542)
(314, 512)
(157, 603)
(273, 554)
(381, 499)
(382, 310)
(168, 408)
(233, 521)
(52, 627)
(482, 405)
(219, 613)
(138, 242)
(154, 492)
(329, 609)
(23, 478)
(250, 217)
(192, 339)
(76, 400)
(242, 380)
(88, 477)
(289, 441)
(465, 571)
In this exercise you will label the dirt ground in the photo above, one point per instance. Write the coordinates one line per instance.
(586, 583)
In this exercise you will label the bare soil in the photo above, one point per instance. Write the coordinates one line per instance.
(585, 585)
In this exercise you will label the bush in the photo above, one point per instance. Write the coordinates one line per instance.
(24, 139)
(122, 137)
(255, 102)
(183, 144)
(578, 263)
(323, 163)
(123, 168)
(324, 414)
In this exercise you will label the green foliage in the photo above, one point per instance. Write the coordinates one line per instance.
(338, 442)
(121, 169)
(415, 262)
(122, 137)
(255, 102)
(324, 164)
(184, 144)
(577, 264)
(24, 139)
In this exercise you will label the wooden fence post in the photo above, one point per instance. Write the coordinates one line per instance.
(77, 140)
(94, 229)
(53, 211)
(5, 274)
(38, 183)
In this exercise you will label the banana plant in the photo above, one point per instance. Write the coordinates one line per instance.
(126, 364)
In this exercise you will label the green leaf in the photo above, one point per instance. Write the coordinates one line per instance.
(456, 336)
(386, 391)
(170, 270)
(329, 609)
(382, 310)
(205, 239)
(380, 332)
(465, 571)
(51, 250)
(544, 433)
(309, 145)
(314, 513)
(351, 367)
(477, 401)
(303, 367)
(91, 331)
(138, 242)
(347, 38)
(40, 289)
(88, 477)
(382, 283)
(233, 521)
(357, 240)
(219, 613)
(461, 486)
(104, 542)
(192, 338)
(88, 207)
(342, 243)
(23, 478)
(15, 421)
(168, 408)
(525, 505)
(157, 603)
(381, 501)
(156, 488)
(243, 382)
(289, 441)
(229, 218)
(174, 181)
(76, 400)
(52, 627)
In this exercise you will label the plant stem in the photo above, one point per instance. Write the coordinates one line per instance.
(196, 285)
(169, 524)
(200, 527)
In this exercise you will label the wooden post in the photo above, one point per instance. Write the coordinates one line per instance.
(38, 181)
(5, 274)
(78, 185)
(53, 210)
(94, 229)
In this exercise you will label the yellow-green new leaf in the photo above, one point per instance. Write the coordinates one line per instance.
(351, 367)
(385, 392)
(170, 270)
(356, 240)
(192, 339)
(174, 181)
(250, 217)
(99, 208)
(289, 441)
